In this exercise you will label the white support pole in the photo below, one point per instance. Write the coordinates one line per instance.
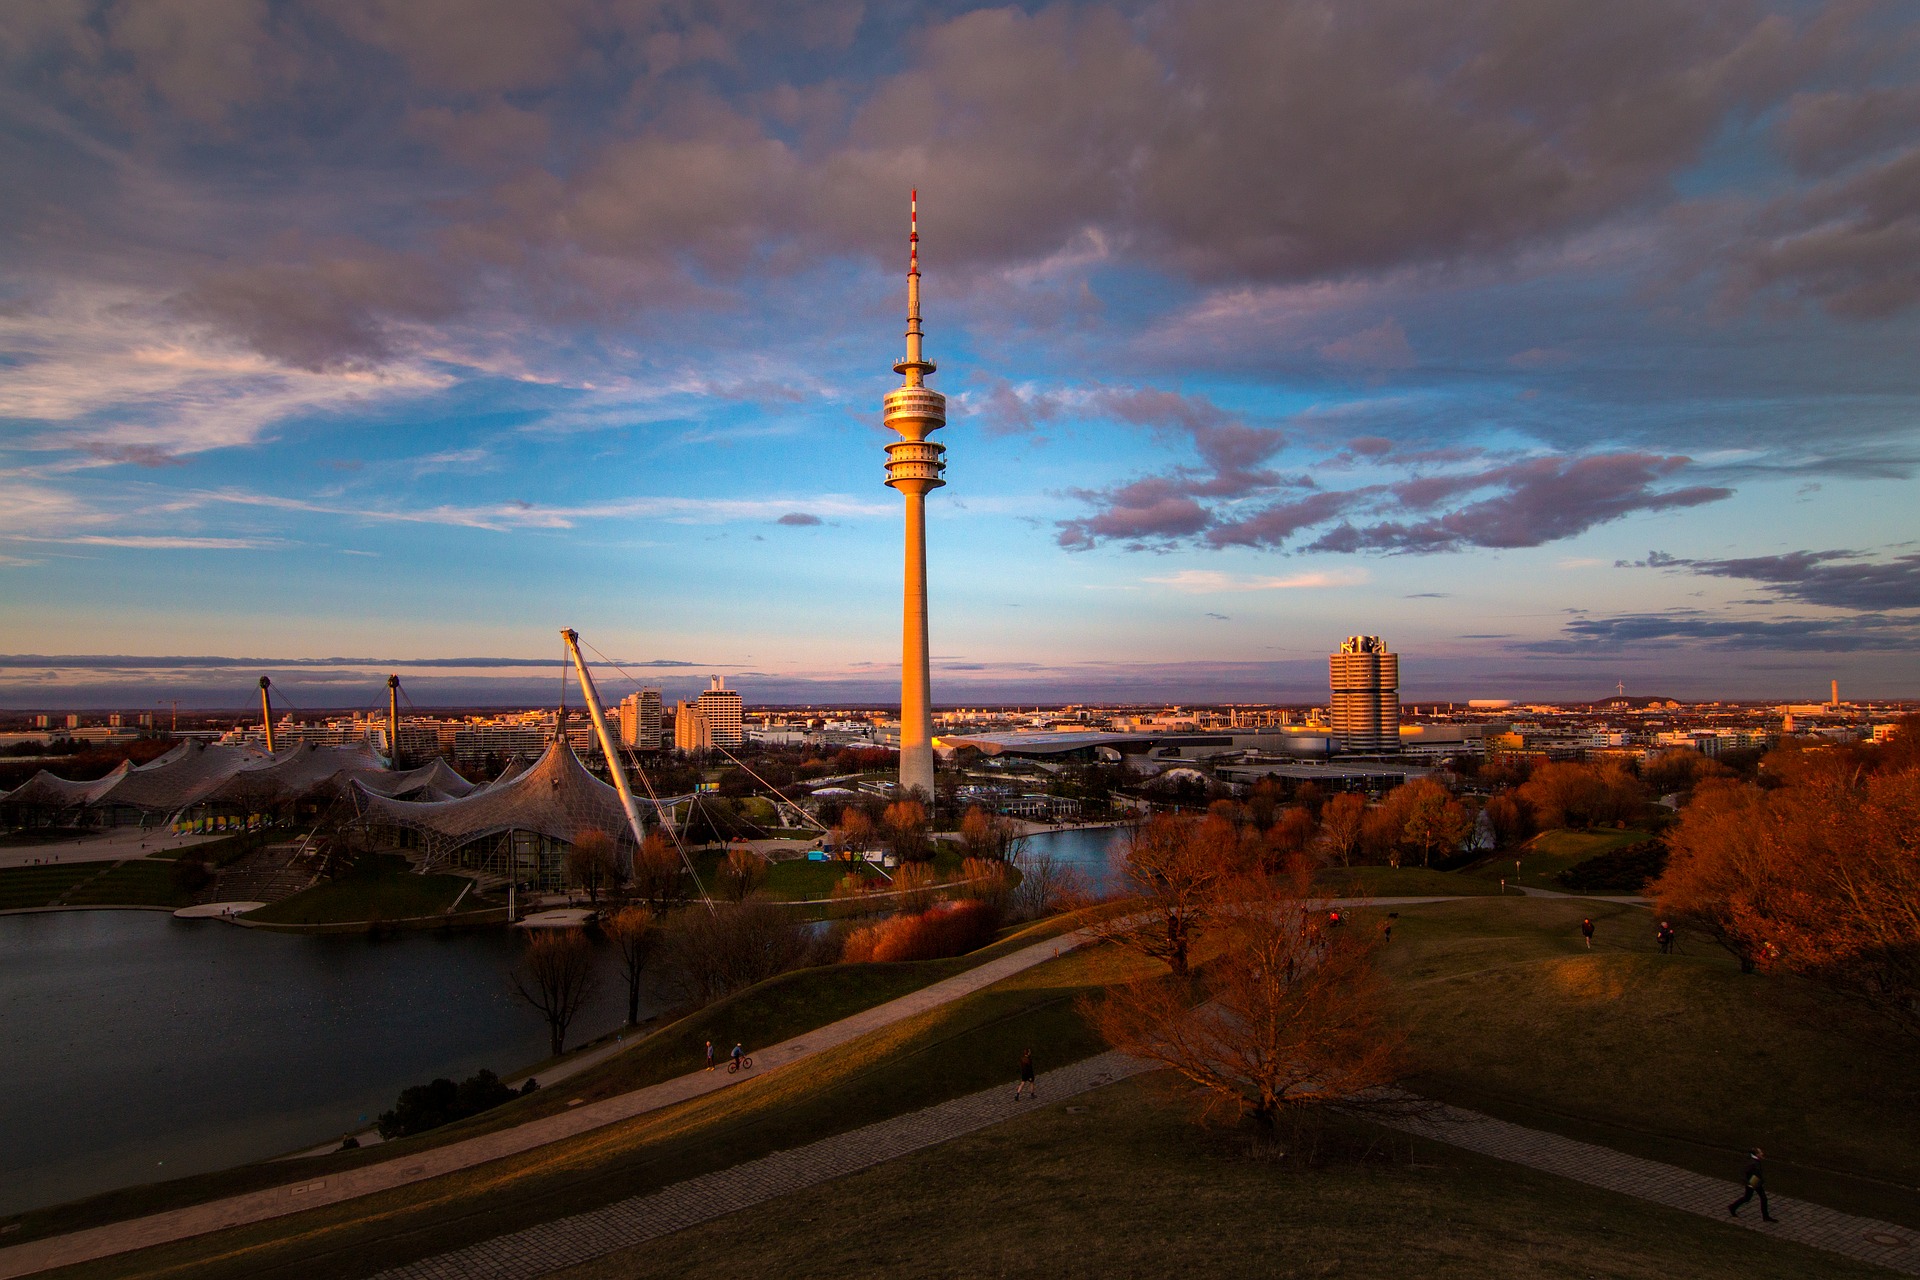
(608, 743)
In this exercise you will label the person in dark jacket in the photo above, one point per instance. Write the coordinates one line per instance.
(1586, 931)
(1664, 936)
(1026, 1078)
(1756, 1186)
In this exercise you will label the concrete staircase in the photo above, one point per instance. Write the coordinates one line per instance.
(265, 875)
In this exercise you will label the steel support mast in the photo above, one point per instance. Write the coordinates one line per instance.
(608, 743)
(266, 711)
(393, 722)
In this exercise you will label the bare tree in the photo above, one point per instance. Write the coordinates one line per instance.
(1173, 871)
(633, 932)
(741, 873)
(735, 946)
(913, 886)
(1291, 1017)
(556, 976)
(987, 835)
(855, 832)
(906, 824)
(656, 871)
(1046, 885)
(1342, 820)
(592, 862)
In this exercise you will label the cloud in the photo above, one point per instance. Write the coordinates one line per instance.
(799, 520)
(155, 542)
(1540, 500)
(1384, 346)
(1273, 525)
(1210, 581)
(1219, 617)
(1518, 504)
(1628, 632)
(1836, 579)
(334, 312)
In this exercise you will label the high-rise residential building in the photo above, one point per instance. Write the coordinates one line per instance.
(1365, 713)
(640, 720)
(720, 706)
(691, 732)
(915, 466)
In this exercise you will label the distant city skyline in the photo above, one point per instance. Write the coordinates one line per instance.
(1563, 352)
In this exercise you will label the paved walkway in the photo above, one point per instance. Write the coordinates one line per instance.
(1869, 1240)
(566, 1242)
(273, 1202)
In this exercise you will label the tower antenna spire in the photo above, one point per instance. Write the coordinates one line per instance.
(915, 466)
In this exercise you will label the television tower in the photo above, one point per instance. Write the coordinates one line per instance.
(915, 465)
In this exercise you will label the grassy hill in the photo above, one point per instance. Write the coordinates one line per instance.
(382, 891)
(1551, 852)
(1680, 1058)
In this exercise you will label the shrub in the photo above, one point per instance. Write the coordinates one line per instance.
(191, 874)
(948, 929)
(1625, 870)
(714, 953)
(428, 1106)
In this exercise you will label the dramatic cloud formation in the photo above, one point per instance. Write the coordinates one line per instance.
(1530, 503)
(325, 320)
(1837, 579)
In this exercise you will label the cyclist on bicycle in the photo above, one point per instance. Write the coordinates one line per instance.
(738, 1053)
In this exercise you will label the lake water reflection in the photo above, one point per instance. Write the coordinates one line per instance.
(1094, 851)
(135, 1047)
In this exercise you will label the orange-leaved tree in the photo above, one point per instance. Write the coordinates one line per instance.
(1820, 877)
(1289, 1015)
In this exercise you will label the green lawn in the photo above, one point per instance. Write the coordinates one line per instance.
(361, 897)
(1551, 852)
(139, 883)
(38, 886)
(1679, 1058)
(1124, 1186)
(1399, 882)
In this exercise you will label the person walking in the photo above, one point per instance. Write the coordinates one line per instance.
(1586, 932)
(1026, 1084)
(1756, 1186)
(709, 1055)
(1664, 936)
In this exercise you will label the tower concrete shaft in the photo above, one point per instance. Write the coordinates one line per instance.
(915, 466)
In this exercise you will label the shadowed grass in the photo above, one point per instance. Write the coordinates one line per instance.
(139, 883)
(767, 1013)
(967, 1045)
(1548, 854)
(1126, 1187)
(39, 886)
(1680, 1058)
(359, 898)
(1399, 882)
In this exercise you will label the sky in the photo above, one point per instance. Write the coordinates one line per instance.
(1565, 346)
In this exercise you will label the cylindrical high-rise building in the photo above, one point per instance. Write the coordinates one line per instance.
(915, 465)
(1366, 695)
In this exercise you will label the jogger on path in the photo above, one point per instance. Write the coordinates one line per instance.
(1756, 1186)
(1026, 1077)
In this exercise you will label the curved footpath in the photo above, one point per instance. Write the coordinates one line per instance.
(532, 1252)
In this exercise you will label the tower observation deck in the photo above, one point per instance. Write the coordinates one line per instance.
(915, 466)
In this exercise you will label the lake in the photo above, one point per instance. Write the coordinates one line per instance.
(1094, 851)
(136, 1047)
